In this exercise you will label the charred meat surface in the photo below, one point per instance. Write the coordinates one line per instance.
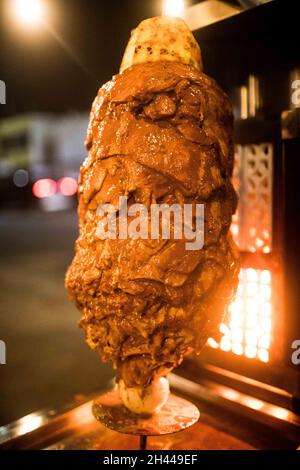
(159, 133)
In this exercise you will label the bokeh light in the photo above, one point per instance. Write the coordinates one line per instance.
(44, 188)
(67, 186)
(173, 7)
(30, 13)
(21, 178)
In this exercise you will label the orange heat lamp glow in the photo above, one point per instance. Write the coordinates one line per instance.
(248, 331)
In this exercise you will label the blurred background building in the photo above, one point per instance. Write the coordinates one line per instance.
(40, 157)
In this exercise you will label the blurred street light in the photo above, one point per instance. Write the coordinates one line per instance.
(44, 188)
(67, 186)
(30, 13)
(21, 178)
(173, 8)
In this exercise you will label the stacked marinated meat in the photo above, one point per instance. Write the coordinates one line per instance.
(159, 133)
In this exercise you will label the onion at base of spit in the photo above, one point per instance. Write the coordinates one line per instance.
(145, 400)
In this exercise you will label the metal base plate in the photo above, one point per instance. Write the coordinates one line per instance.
(176, 415)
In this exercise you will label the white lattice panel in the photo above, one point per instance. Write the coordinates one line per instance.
(235, 224)
(253, 180)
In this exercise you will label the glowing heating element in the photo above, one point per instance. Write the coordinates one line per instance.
(248, 329)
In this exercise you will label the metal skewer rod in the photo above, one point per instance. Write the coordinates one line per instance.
(143, 442)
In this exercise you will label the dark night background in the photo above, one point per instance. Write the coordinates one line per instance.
(59, 71)
(41, 75)
(47, 361)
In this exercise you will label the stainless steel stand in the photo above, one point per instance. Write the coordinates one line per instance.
(176, 415)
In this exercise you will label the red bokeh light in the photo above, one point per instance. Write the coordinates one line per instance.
(67, 186)
(44, 188)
